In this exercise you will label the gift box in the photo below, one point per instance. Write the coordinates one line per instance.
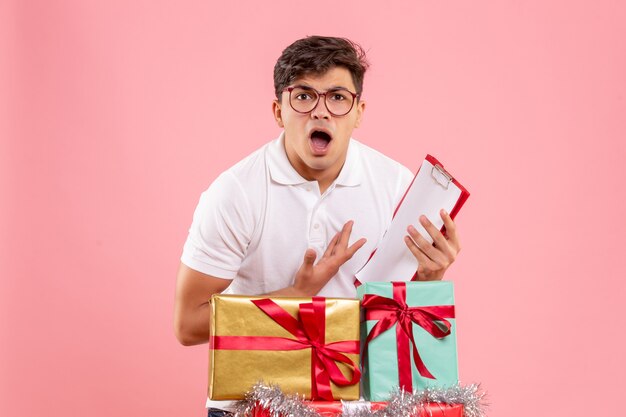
(347, 408)
(326, 408)
(409, 337)
(306, 346)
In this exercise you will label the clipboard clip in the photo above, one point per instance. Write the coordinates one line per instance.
(441, 176)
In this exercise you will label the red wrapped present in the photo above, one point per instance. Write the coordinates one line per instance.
(339, 408)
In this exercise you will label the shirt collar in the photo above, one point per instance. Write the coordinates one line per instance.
(284, 173)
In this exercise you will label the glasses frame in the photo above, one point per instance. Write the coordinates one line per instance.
(355, 97)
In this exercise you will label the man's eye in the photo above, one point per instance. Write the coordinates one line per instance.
(338, 96)
(304, 95)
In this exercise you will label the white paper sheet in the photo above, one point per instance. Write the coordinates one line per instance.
(393, 261)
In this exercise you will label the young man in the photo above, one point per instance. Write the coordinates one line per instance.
(301, 215)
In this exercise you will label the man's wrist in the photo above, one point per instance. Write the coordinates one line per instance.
(291, 291)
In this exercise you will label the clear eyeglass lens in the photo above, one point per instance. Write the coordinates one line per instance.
(338, 102)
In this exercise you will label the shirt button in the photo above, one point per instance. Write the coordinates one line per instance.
(316, 226)
(308, 188)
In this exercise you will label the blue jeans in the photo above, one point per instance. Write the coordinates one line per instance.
(216, 412)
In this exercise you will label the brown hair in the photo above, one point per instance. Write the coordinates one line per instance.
(316, 55)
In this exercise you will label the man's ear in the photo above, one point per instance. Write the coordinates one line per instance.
(360, 108)
(277, 113)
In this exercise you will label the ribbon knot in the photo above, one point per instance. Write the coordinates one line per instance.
(310, 330)
(390, 312)
(315, 345)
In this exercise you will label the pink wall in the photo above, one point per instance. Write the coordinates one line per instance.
(113, 119)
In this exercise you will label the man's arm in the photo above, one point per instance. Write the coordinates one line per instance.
(192, 314)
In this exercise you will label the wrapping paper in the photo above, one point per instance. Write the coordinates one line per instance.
(348, 408)
(295, 343)
(418, 349)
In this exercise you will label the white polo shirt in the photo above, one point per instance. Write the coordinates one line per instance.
(257, 219)
(255, 222)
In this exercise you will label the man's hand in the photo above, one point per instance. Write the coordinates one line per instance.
(311, 278)
(433, 259)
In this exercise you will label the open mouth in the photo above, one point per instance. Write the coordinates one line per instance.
(320, 141)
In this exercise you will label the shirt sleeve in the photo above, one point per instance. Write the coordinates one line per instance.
(221, 229)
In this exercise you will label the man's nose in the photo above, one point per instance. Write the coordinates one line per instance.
(320, 111)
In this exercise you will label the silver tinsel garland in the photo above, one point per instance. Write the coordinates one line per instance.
(401, 404)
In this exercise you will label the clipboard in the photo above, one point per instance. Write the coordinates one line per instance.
(432, 189)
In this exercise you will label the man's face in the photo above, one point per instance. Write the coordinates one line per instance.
(317, 142)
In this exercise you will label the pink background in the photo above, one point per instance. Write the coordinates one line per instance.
(115, 117)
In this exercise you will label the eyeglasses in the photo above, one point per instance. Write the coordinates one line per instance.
(338, 101)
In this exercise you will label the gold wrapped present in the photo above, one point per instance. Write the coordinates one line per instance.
(306, 346)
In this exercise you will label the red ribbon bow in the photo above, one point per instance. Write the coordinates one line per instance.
(310, 332)
(389, 311)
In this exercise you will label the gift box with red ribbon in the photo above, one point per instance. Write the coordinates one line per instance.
(306, 346)
(409, 337)
(347, 408)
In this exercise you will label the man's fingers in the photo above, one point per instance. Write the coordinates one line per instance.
(309, 259)
(451, 232)
(331, 246)
(345, 234)
(425, 247)
(425, 263)
(433, 259)
(355, 247)
(435, 233)
(344, 238)
(449, 247)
